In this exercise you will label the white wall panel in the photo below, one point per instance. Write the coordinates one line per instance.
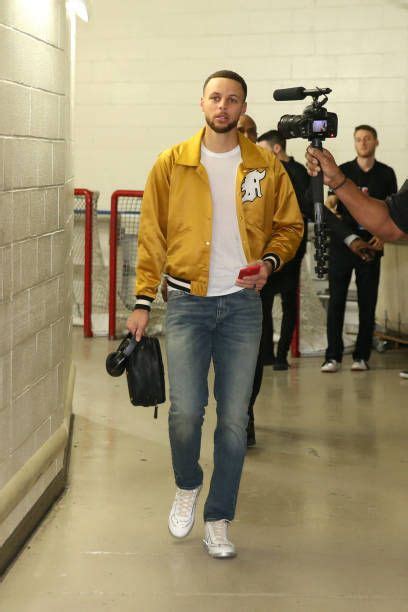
(15, 109)
(21, 215)
(39, 19)
(28, 163)
(45, 68)
(45, 115)
(6, 216)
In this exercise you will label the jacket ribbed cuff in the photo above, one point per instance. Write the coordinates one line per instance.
(143, 302)
(274, 259)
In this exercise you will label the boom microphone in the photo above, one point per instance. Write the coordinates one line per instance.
(291, 93)
(298, 93)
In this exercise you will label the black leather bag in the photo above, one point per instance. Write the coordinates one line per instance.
(145, 374)
(144, 370)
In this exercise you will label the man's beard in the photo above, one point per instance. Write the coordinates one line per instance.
(221, 130)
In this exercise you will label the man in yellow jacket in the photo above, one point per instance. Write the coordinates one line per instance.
(212, 205)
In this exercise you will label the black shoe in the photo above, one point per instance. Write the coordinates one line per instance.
(281, 365)
(251, 440)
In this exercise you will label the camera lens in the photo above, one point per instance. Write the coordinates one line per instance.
(292, 126)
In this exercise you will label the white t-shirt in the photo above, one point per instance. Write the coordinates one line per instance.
(227, 255)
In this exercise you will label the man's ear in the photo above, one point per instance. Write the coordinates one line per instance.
(276, 148)
(201, 103)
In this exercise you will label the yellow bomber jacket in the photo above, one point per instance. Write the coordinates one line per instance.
(176, 217)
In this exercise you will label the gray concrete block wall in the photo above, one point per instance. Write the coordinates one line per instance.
(36, 189)
(139, 77)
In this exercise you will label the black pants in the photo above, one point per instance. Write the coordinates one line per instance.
(286, 284)
(342, 262)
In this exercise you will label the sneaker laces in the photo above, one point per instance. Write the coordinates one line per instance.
(219, 530)
(184, 501)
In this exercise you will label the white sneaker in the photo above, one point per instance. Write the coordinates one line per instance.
(331, 365)
(359, 366)
(182, 513)
(216, 540)
(404, 374)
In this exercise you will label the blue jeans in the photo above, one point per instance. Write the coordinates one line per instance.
(226, 329)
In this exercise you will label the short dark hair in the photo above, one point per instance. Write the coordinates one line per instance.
(227, 74)
(273, 137)
(367, 128)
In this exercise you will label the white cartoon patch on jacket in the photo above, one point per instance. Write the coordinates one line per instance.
(251, 185)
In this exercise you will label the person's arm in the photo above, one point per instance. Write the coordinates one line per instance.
(151, 250)
(152, 239)
(284, 223)
(370, 212)
(398, 207)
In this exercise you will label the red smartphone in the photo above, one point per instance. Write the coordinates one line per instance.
(249, 270)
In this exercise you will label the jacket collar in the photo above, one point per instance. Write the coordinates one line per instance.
(190, 153)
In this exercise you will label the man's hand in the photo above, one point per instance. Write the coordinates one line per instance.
(376, 243)
(321, 160)
(137, 322)
(362, 249)
(256, 281)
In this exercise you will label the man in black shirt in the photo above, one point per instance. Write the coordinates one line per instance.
(378, 180)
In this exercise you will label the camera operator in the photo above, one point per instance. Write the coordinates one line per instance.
(377, 179)
(386, 219)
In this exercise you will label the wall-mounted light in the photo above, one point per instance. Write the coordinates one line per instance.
(78, 8)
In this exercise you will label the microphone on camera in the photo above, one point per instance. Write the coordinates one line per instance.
(291, 93)
(298, 93)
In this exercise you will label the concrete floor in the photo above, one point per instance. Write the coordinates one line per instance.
(322, 516)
